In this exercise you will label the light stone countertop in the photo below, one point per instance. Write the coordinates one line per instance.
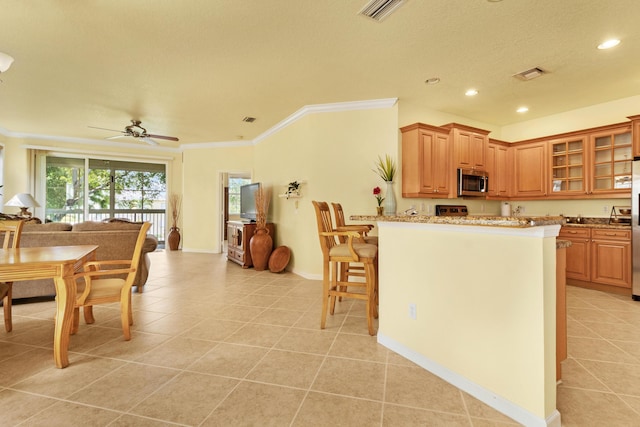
(490, 221)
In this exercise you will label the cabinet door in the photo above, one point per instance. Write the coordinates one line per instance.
(611, 263)
(498, 168)
(434, 176)
(503, 175)
(611, 154)
(579, 253)
(530, 170)
(568, 166)
(470, 150)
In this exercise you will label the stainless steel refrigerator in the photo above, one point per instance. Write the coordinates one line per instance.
(635, 228)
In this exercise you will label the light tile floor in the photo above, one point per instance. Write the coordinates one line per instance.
(214, 344)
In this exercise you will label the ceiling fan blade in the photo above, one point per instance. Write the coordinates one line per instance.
(148, 140)
(112, 130)
(116, 137)
(169, 138)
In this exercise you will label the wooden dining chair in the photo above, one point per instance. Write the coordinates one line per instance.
(363, 229)
(10, 232)
(334, 255)
(100, 287)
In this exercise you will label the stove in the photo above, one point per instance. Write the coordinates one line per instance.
(451, 210)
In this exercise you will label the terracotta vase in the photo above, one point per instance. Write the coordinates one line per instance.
(174, 238)
(260, 246)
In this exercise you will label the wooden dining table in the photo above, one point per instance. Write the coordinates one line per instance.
(59, 263)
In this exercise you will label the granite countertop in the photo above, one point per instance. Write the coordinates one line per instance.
(596, 222)
(491, 221)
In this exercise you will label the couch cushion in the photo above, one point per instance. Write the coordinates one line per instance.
(49, 226)
(106, 226)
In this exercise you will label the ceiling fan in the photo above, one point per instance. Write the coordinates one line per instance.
(134, 130)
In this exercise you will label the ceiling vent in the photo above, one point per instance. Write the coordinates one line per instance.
(249, 119)
(531, 74)
(380, 9)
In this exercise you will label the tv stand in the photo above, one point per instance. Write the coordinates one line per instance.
(239, 234)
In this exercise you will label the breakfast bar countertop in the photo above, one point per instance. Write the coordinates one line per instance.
(490, 221)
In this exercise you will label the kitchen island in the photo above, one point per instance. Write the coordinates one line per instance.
(473, 300)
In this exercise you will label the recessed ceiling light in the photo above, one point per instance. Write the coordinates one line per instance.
(609, 44)
(522, 110)
(433, 81)
(471, 92)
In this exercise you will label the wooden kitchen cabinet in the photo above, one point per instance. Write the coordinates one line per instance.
(530, 170)
(568, 163)
(469, 146)
(611, 157)
(238, 236)
(426, 165)
(498, 169)
(579, 253)
(611, 257)
(635, 132)
(599, 258)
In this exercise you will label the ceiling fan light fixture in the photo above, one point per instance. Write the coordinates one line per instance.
(5, 62)
(378, 10)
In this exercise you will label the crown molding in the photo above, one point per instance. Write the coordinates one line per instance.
(302, 112)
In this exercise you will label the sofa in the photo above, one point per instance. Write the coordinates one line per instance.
(115, 240)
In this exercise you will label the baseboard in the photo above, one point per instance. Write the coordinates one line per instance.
(497, 402)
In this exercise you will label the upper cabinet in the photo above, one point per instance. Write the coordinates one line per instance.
(529, 170)
(469, 146)
(612, 155)
(568, 161)
(426, 165)
(497, 166)
(635, 130)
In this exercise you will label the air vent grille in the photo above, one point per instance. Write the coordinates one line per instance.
(530, 74)
(380, 9)
(249, 119)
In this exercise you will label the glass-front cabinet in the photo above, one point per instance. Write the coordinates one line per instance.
(612, 157)
(568, 166)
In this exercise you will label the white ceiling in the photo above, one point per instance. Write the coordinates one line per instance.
(194, 69)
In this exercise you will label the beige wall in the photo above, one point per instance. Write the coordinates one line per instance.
(203, 168)
(477, 320)
(333, 153)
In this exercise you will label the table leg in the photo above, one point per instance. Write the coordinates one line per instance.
(65, 301)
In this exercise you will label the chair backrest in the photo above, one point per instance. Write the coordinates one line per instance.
(323, 218)
(142, 235)
(10, 232)
(339, 214)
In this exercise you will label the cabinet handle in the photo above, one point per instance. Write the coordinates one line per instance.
(609, 234)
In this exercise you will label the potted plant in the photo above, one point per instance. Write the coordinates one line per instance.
(173, 239)
(386, 169)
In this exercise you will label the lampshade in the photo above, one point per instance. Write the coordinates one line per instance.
(5, 62)
(23, 200)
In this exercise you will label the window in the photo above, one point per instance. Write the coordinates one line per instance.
(80, 189)
(234, 194)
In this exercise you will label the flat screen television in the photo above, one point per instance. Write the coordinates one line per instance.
(248, 201)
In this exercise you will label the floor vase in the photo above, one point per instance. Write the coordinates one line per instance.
(173, 238)
(260, 246)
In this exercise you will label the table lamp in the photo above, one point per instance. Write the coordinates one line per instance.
(24, 201)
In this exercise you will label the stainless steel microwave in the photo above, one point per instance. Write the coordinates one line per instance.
(472, 182)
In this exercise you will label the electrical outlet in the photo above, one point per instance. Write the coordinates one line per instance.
(605, 209)
(482, 207)
(422, 207)
(413, 311)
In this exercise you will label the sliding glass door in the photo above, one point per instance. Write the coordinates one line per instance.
(84, 189)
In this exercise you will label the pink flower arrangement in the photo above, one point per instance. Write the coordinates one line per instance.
(377, 193)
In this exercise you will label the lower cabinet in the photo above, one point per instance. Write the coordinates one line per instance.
(598, 256)
(611, 257)
(238, 237)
